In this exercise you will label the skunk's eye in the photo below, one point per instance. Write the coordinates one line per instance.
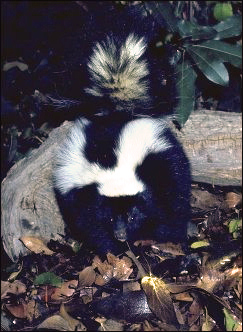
(130, 219)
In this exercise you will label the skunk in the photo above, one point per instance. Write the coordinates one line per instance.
(120, 174)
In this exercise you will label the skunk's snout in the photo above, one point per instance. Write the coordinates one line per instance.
(120, 229)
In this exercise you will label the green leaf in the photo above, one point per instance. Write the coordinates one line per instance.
(199, 244)
(211, 66)
(231, 322)
(222, 11)
(194, 31)
(224, 52)
(185, 85)
(235, 225)
(48, 278)
(162, 12)
(231, 27)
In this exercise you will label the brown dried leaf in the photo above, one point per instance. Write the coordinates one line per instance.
(87, 276)
(210, 279)
(144, 243)
(14, 274)
(36, 244)
(121, 267)
(45, 292)
(19, 310)
(240, 288)
(203, 200)
(169, 248)
(56, 323)
(112, 259)
(131, 286)
(148, 327)
(20, 65)
(127, 261)
(74, 324)
(209, 324)
(105, 269)
(185, 297)
(194, 312)
(66, 290)
(113, 267)
(16, 287)
(159, 299)
(180, 317)
(110, 325)
(32, 310)
(99, 280)
(232, 199)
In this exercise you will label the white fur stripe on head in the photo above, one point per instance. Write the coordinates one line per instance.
(137, 139)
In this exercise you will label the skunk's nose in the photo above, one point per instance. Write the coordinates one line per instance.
(120, 228)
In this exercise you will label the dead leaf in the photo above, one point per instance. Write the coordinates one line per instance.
(74, 324)
(159, 299)
(66, 290)
(121, 267)
(113, 267)
(144, 243)
(194, 312)
(87, 292)
(36, 244)
(240, 288)
(110, 325)
(87, 276)
(148, 327)
(131, 286)
(45, 292)
(14, 274)
(209, 324)
(112, 259)
(168, 248)
(104, 268)
(185, 297)
(127, 260)
(203, 200)
(210, 279)
(18, 311)
(100, 281)
(16, 287)
(9, 65)
(32, 311)
(55, 323)
(178, 313)
(233, 199)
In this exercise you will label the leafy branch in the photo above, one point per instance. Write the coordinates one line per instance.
(199, 48)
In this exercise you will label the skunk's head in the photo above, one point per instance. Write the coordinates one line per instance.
(128, 214)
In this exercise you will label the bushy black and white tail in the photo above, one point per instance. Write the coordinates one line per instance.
(120, 72)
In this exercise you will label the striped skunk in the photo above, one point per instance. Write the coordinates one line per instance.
(121, 175)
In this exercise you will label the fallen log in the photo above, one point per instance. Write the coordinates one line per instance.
(212, 141)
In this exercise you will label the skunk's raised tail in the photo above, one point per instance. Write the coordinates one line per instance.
(119, 73)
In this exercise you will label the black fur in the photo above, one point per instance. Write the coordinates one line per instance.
(102, 136)
(161, 211)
